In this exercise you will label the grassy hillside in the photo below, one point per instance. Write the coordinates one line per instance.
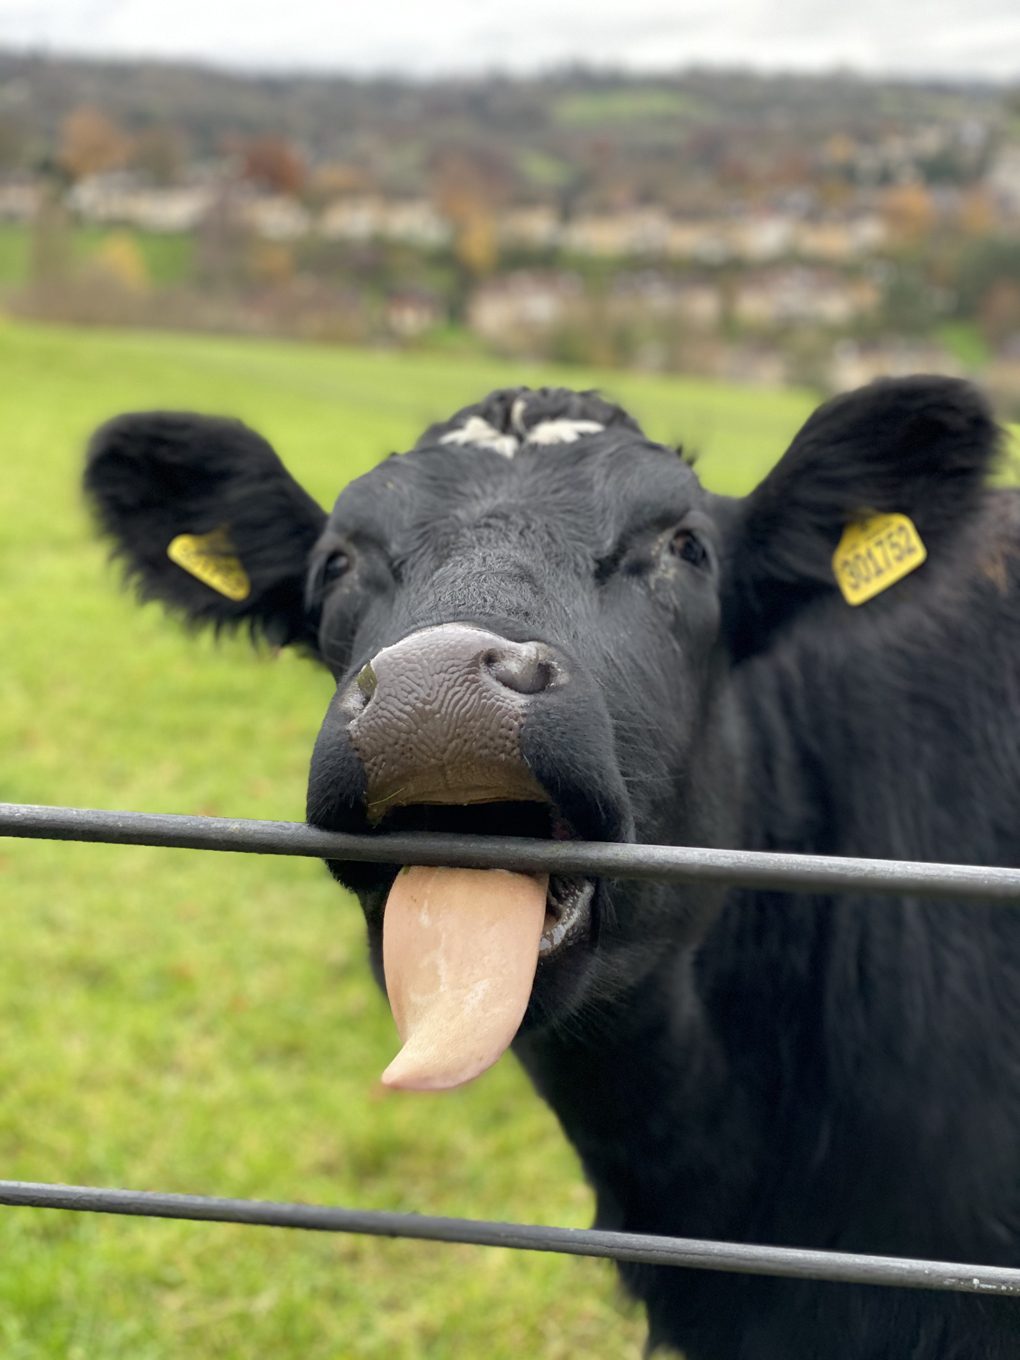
(166, 260)
(205, 1023)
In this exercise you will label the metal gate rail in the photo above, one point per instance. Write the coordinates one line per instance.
(680, 864)
(669, 863)
(737, 1257)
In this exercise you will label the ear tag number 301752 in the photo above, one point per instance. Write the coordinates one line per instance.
(212, 559)
(874, 554)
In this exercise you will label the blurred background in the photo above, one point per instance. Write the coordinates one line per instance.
(341, 225)
(467, 189)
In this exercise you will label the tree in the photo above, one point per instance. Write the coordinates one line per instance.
(978, 216)
(274, 164)
(119, 258)
(909, 212)
(468, 187)
(91, 142)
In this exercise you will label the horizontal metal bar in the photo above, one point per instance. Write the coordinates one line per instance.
(738, 1257)
(669, 863)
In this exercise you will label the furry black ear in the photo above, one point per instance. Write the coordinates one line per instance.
(920, 446)
(155, 476)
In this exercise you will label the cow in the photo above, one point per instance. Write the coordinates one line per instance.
(541, 624)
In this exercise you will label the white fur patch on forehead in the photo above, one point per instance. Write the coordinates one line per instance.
(479, 432)
(562, 431)
(476, 430)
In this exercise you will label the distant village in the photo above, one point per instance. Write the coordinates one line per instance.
(873, 254)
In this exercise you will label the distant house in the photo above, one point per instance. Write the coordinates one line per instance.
(416, 222)
(351, 219)
(838, 242)
(534, 228)
(644, 231)
(368, 217)
(704, 240)
(410, 312)
(276, 217)
(527, 301)
(652, 295)
(119, 198)
(776, 297)
(754, 238)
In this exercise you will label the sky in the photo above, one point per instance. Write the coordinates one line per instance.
(960, 38)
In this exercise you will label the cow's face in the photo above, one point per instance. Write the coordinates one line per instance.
(535, 619)
(525, 636)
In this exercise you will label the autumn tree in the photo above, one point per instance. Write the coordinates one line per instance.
(468, 187)
(909, 212)
(977, 213)
(274, 164)
(91, 142)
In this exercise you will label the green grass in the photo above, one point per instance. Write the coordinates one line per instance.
(638, 104)
(206, 1023)
(167, 257)
(965, 343)
(14, 254)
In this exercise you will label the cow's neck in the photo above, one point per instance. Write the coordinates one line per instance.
(644, 1099)
(642, 1087)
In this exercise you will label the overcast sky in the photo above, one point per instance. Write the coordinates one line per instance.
(429, 37)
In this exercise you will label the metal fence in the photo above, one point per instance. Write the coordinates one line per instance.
(677, 864)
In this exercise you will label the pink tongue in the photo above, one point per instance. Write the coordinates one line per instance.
(460, 949)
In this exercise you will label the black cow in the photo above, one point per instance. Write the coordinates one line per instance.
(638, 659)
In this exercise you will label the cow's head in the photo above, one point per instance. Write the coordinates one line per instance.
(533, 619)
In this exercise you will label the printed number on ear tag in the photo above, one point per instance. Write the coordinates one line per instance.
(874, 554)
(211, 558)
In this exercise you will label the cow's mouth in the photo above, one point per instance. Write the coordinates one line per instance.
(463, 949)
(570, 899)
(458, 729)
(568, 905)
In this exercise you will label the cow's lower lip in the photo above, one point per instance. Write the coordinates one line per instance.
(567, 913)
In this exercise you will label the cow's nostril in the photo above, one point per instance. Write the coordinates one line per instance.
(521, 668)
(367, 681)
(359, 693)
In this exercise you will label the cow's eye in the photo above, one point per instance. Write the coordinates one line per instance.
(685, 545)
(334, 567)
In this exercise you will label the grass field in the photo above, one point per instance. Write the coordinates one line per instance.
(205, 1023)
(166, 259)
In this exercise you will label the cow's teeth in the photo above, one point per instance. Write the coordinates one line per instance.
(567, 907)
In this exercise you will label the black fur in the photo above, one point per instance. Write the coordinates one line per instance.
(919, 446)
(824, 1072)
(154, 475)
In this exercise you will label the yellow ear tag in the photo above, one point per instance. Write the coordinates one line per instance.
(212, 559)
(874, 554)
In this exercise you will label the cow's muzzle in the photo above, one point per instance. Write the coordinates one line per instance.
(457, 728)
(437, 718)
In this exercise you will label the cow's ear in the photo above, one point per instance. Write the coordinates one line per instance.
(206, 519)
(919, 446)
